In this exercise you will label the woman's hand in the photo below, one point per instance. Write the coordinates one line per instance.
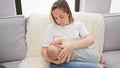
(65, 53)
(57, 43)
(59, 62)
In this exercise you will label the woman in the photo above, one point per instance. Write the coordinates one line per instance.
(64, 26)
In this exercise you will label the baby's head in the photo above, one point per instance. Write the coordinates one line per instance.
(53, 51)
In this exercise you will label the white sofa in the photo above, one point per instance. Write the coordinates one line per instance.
(19, 47)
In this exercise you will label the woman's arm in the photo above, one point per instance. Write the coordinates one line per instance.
(85, 42)
(67, 51)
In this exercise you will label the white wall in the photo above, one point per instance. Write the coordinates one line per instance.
(115, 6)
(40, 6)
(95, 6)
(7, 8)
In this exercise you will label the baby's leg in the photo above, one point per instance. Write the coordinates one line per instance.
(87, 55)
(102, 62)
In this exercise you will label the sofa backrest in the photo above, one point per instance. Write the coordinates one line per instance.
(12, 38)
(37, 24)
(112, 32)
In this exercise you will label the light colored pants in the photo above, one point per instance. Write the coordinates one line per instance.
(86, 55)
(75, 64)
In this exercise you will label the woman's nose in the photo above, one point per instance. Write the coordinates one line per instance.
(59, 20)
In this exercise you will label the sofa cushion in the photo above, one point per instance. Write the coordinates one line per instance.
(2, 66)
(12, 38)
(14, 64)
(112, 32)
(112, 59)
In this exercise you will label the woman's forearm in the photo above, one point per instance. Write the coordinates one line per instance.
(86, 42)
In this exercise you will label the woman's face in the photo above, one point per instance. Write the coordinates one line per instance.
(61, 17)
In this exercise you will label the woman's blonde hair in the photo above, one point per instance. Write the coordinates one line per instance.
(63, 5)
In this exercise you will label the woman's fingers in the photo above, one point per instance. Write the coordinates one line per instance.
(61, 56)
(65, 54)
(60, 46)
(68, 58)
(64, 58)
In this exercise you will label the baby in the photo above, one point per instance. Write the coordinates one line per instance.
(83, 55)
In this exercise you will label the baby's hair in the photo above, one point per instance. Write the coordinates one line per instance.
(52, 53)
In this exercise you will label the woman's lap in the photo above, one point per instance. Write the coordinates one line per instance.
(75, 64)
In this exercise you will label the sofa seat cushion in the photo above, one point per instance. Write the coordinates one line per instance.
(112, 59)
(2, 66)
(14, 64)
